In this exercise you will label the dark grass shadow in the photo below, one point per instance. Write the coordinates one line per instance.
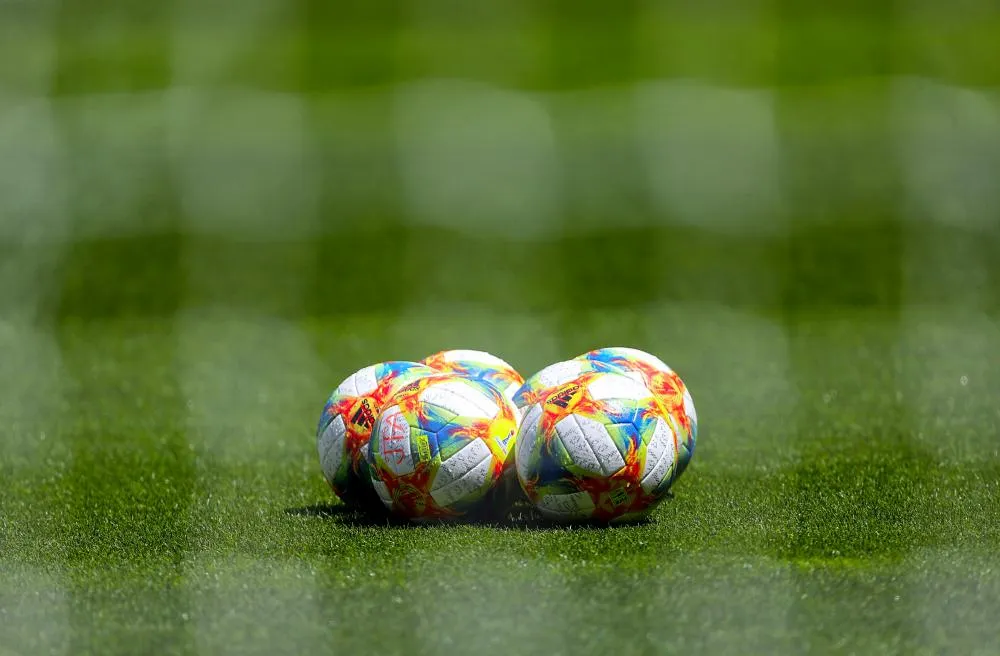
(522, 516)
(349, 516)
(528, 519)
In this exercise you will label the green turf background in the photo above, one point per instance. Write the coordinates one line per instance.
(212, 213)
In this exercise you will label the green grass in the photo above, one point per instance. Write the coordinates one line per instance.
(206, 224)
(175, 501)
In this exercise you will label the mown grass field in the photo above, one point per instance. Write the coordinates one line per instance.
(207, 222)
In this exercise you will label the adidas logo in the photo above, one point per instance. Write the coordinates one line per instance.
(564, 398)
(364, 416)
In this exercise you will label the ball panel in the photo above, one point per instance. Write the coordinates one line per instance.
(331, 447)
(361, 383)
(478, 365)
(471, 480)
(559, 373)
(433, 418)
(618, 411)
(617, 387)
(644, 357)
(348, 387)
(660, 453)
(616, 354)
(510, 393)
(589, 445)
(460, 399)
(393, 439)
(383, 492)
(470, 355)
(565, 507)
(626, 436)
(690, 410)
(554, 375)
(526, 443)
(455, 436)
(555, 465)
(572, 439)
(461, 462)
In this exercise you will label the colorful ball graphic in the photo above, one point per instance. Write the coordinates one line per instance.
(668, 387)
(347, 421)
(479, 365)
(441, 446)
(540, 383)
(599, 447)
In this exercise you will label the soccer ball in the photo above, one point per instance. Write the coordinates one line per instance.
(440, 447)
(599, 447)
(346, 425)
(479, 365)
(495, 371)
(539, 384)
(668, 387)
(533, 391)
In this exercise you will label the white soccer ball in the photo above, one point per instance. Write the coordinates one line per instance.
(599, 447)
(440, 447)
